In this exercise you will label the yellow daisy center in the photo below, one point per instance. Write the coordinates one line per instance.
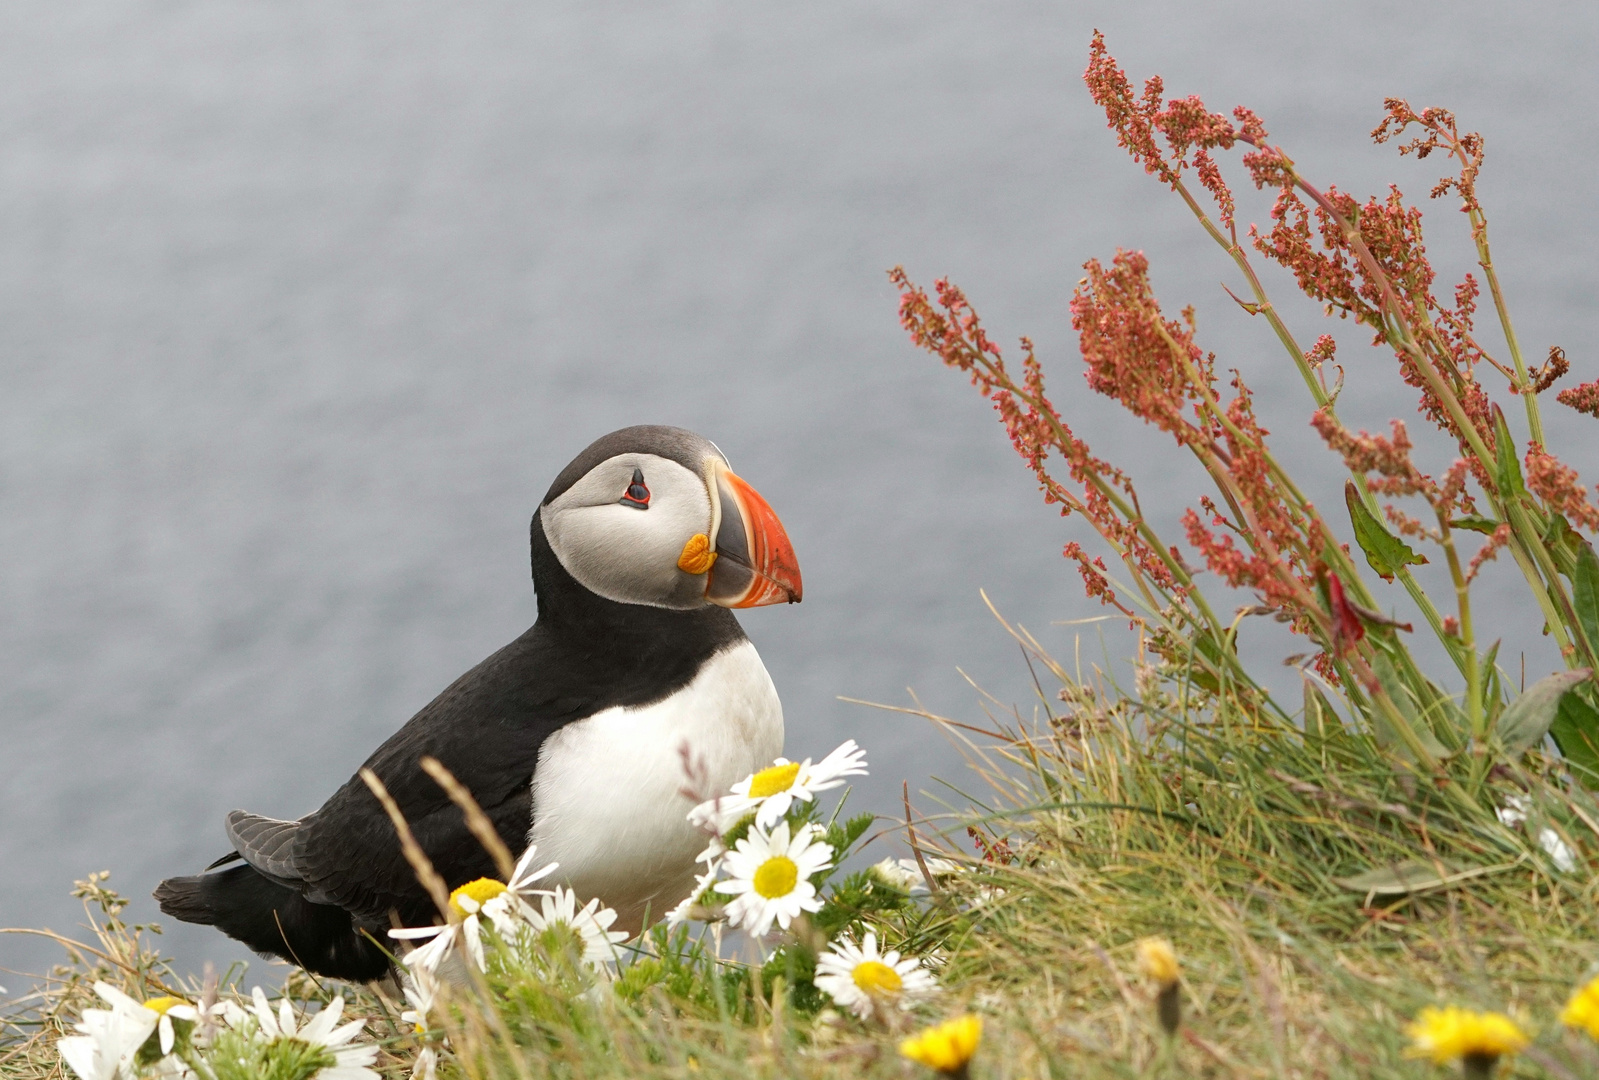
(481, 890)
(877, 979)
(776, 877)
(162, 1004)
(770, 781)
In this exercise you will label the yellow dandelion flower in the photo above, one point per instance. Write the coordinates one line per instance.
(1478, 1038)
(1582, 1011)
(946, 1047)
(1158, 960)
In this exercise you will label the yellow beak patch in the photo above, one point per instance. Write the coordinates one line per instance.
(697, 555)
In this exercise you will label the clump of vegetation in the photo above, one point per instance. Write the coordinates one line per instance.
(1188, 876)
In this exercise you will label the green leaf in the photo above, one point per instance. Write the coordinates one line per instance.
(1492, 699)
(1576, 732)
(1385, 552)
(1527, 719)
(1413, 875)
(1507, 467)
(1383, 728)
(1483, 525)
(1397, 879)
(1585, 594)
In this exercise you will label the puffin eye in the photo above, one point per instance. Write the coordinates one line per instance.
(637, 495)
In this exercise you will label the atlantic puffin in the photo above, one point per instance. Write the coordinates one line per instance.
(573, 737)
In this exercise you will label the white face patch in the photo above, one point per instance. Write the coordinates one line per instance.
(625, 553)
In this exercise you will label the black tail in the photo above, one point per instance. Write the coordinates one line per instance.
(274, 920)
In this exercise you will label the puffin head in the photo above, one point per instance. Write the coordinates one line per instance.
(653, 515)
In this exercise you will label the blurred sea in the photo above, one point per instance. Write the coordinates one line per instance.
(302, 306)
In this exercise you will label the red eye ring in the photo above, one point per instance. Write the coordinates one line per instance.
(637, 494)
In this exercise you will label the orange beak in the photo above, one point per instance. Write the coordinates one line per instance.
(755, 563)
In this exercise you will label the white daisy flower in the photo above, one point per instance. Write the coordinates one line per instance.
(862, 980)
(113, 1038)
(769, 877)
(420, 988)
(350, 1062)
(504, 905)
(110, 1038)
(591, 923)
(905, 879)
(906, 874)
(470, 903)
(428, 957)
(524, 877)
(97, 1053)
(773, 790)
(165, 1009)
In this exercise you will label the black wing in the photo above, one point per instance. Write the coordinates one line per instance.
(487, 728)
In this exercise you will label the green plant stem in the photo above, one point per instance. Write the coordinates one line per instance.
(1128, 513)
(1552, 598)
(1479, 234)
(1550, 593)
(1475, 713)
(1263, 306)
(1224, 479)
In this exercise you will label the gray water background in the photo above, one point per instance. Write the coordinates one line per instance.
(302, 305)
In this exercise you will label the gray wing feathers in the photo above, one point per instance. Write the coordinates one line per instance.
(272, 847)
(267, 844)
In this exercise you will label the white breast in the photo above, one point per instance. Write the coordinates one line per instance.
(608, 798)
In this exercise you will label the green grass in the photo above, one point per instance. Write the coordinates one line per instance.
(1108, 817)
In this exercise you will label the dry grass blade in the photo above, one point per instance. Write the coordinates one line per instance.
(425, 873)
(476, 820)
(916, 848)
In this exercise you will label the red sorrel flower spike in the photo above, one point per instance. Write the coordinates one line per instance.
(1132, 118)
(1551, 372)
(1584, 398)
(1557, 485)
(1498, 539)
(1438, 132)
(952, 329)
(1321, 352)
(1148, 363)
(1185, 123)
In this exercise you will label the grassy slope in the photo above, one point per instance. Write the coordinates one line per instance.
(1122, 816)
